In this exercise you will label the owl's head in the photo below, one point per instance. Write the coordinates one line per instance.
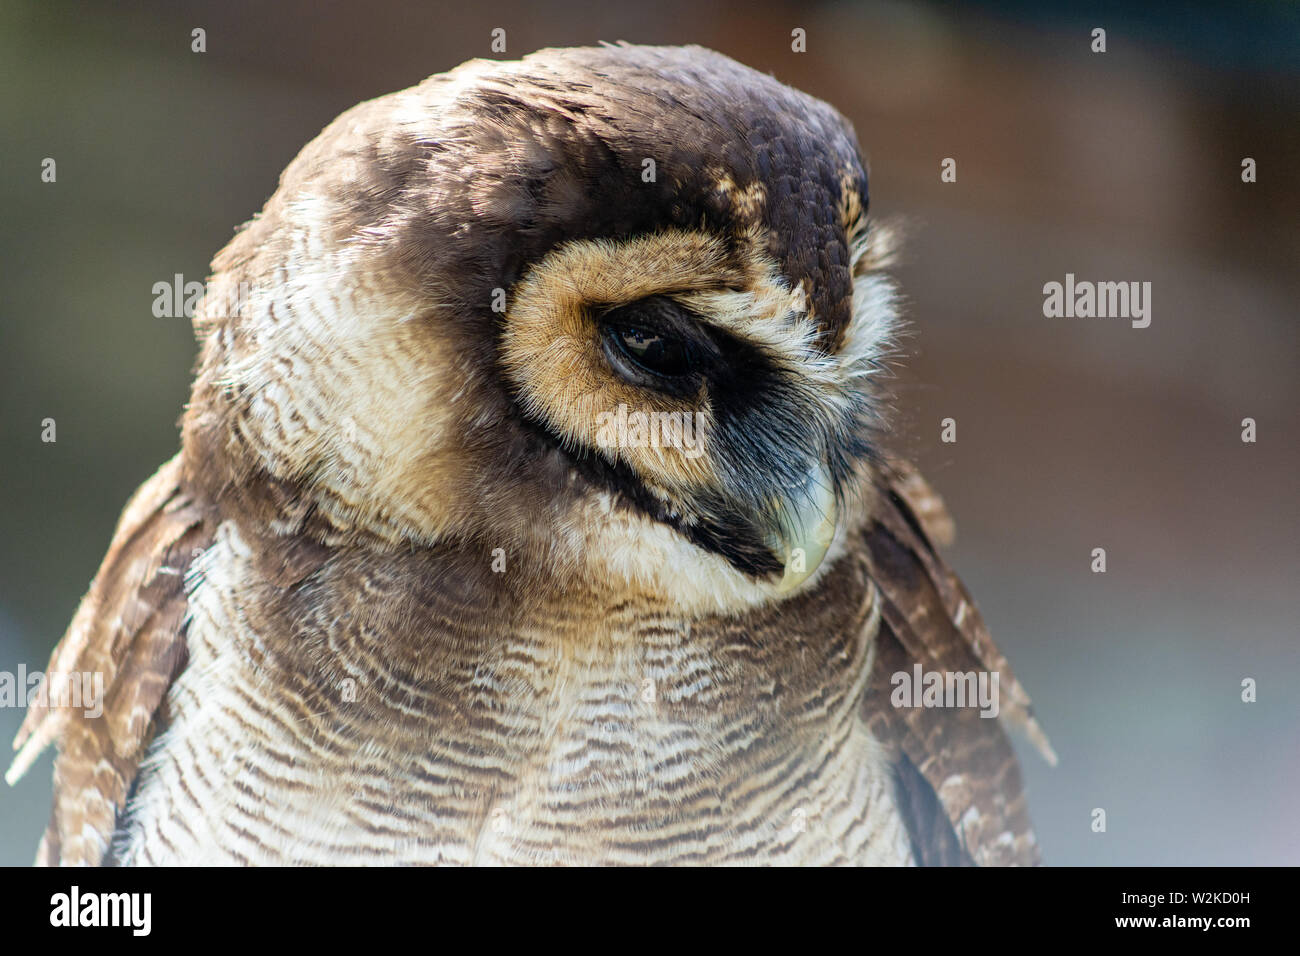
(613, 311)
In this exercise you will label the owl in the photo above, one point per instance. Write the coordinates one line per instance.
(533, 506)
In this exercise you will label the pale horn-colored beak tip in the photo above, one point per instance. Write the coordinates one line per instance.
(810, 522)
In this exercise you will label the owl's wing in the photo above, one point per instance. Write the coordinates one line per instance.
(128, 632)
(957, 779)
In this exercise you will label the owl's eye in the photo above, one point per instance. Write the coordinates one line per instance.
(656, 352)
(658, 343)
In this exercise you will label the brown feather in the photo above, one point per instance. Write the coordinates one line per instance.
(928, 618)
(130, 629)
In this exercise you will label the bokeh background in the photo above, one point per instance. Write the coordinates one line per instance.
(1071, 434)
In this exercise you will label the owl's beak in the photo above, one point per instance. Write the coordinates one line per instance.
(808, 519)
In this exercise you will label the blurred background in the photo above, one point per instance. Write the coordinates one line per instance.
(1071, 434)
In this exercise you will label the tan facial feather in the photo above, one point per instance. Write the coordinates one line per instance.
(551, 350)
